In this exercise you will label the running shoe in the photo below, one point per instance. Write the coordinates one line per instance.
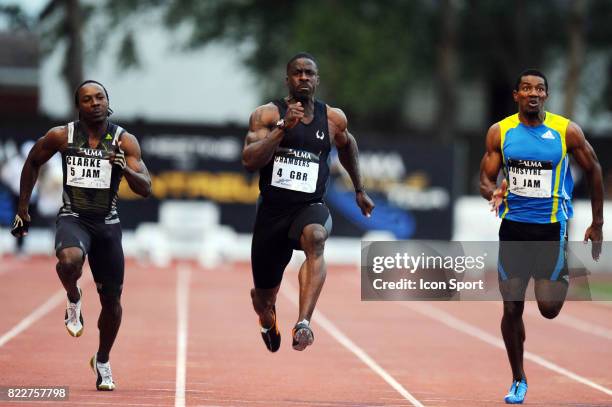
(302, 336)
(104, 375)
(271, 336)
(73, 318)
(517, 392)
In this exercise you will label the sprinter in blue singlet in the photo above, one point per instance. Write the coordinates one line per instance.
(534, 202)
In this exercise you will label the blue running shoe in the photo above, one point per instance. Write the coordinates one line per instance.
(517, 392)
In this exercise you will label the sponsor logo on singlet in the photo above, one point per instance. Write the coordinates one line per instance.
(548, 135)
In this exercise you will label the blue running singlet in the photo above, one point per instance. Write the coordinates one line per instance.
(536, 167)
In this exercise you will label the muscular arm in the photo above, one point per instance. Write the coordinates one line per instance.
(262, 139)
(55, 140)
(491, 163)
(135, 171)
(348, 153)
(585, 156)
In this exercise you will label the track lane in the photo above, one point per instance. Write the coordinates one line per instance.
(228, 364)
(143, 357)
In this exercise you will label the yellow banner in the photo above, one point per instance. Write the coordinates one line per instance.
(221, 187)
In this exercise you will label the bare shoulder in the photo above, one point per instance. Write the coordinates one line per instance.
(574, 136)
(337, 117)
(494, 136)
(494, 130)
(264, 116)
(128, 137)
(56, 138)
(129, 143)
(58, 132)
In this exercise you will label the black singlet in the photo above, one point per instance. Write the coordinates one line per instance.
(90, 181)
(291, 178)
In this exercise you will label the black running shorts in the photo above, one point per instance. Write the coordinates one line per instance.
(101, 243)
(537, 250)
(276, 234)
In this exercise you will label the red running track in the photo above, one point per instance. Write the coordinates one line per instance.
(365, 353)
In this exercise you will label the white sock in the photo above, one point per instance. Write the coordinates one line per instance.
(304, 321)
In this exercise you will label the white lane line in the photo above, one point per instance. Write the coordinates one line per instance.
(37, 314)
(455, 323)
(182, 309)
(292, 295)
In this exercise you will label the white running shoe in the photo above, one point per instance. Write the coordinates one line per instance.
(302, 336)
(73, 319)
(104, 375)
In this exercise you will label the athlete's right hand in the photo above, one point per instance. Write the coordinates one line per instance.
(293, 115)
(365, 203)
(21, 224)
(498, 197)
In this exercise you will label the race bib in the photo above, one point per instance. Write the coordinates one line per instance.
(295, 170)
(88, 172)
(530, 178)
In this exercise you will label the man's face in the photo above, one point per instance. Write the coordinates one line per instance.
(531, 95)
(93, 104)
(302, 78)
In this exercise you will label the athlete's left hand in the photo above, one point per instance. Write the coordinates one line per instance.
(595, 235)
(118, 157)
(365, 203)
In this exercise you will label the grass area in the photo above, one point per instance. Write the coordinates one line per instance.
(599, 290)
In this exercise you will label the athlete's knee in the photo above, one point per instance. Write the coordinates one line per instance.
(70, 262)
(263, 299)
(109, 291)
(550, 309)
(513, 309)
(111, 303)
(313, 239)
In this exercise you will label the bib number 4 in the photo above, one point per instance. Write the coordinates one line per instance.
(296, 175)
(295, 170)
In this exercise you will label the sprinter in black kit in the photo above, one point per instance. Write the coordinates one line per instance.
(96, 154)
(289, 142)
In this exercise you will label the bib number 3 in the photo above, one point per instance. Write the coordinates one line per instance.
(530, 178)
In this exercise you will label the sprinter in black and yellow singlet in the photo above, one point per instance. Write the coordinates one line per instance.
(289, 141)
(96, 154)
(534, 202)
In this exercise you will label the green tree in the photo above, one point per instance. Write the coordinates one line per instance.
(64, 21)
(500, 39)
(371, 53)
(15, 18)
